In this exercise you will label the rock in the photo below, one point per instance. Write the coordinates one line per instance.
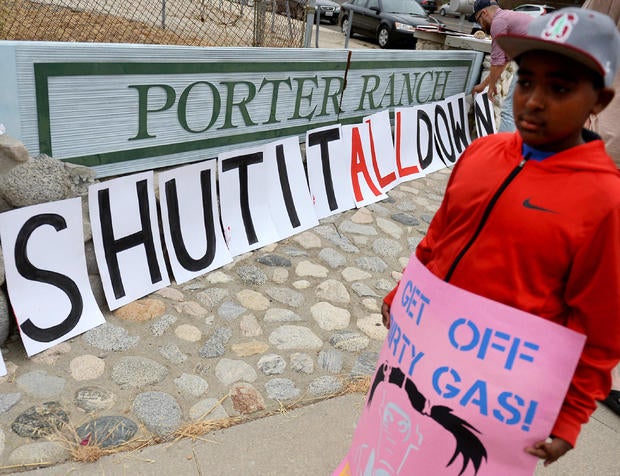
(12, 153)
(145, 309)
(94, 399)
(5, 317)
(107, 431)
(44, 452)
(138, 372)
(40, 420)
(245, 398)
(159, 412)
(281, 389)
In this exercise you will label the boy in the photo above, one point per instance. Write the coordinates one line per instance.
(532, 218)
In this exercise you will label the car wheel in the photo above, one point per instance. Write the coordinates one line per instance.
(383, 37)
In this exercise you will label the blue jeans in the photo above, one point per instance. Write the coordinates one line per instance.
(506, 117)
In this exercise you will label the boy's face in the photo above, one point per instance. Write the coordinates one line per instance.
(553, 98)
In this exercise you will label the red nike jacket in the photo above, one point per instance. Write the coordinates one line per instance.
(543, 237)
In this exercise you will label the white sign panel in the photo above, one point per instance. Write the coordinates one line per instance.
(191, 220)
(46, 273)
(123, 218)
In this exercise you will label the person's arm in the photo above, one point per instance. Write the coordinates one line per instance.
(490, 81)
(593, 295)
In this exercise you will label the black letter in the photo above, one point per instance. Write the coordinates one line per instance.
(323, 138)
(112, 246)
(62, 282)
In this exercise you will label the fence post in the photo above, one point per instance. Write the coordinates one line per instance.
(310, 8)
(163, 14)
(259, 23)
(348, 32)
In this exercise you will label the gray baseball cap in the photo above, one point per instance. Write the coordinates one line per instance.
(586, 36)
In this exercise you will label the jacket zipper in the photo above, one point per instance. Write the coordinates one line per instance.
(485, 216)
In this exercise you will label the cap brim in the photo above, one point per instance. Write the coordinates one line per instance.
(515, 46)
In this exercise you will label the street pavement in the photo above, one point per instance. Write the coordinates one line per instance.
(284, 326)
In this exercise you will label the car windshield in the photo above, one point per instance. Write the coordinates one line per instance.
(403, 6)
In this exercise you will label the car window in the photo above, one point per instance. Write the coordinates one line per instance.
(403, 6)
(373, 3)
(526, 8)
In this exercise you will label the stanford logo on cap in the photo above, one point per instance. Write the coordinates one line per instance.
(560, 27)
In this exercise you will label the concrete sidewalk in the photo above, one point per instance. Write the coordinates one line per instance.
(312, 441)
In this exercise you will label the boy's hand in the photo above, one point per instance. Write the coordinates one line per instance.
(550, 451)
(385, 313)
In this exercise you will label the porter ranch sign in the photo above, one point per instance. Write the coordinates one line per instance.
(125, 108)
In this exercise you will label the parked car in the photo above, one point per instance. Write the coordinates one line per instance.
(534, 10)
(328, 9)
(391, 22)
(447, 10)
(428, 5)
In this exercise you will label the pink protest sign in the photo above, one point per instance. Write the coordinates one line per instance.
(463, 385)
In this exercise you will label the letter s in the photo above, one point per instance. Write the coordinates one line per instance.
(62, 282)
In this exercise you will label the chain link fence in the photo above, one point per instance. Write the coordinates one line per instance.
(270, 23)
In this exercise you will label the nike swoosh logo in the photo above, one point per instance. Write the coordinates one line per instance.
(528, 204)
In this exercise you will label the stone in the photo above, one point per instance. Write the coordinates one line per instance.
(271, 364)
(245, 398)
(389, 227)
(207, 409)
(191, 308)
(94, 399)
(286, 296)
(302, 363)
(290, 337)
(251, 275)
(249, 326)
(40, 384)
(158, 411)
(12, 152)
(363, 290)
(274, 260)
(373, 327)
(387, 247)
(347, 226)
(307, 240)
(86, 367)
(253, 300)
(229, 371)
(211, 297)
(170, 293)
(40, 420)
(188, 333)
(230, 310)
(216, 345)
(145, 309)
(362, 216)
(107, 431)
(191, 385)
(330, 360)
(281, 389)
(5, 315)
(110, 337)
(172, 353)
(308, 268)
(333, 258)
(366, 364)
(246, 349)
(333, 291)
(50, 356)
(276, 314)
(406, 219)
(330, 317)
(351, 273)
(160, 326)
(7, 401)
(324, 386)
(44, 452)
(137, 372)
(374, 264)
(349, 341)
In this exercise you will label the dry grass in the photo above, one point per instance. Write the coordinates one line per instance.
(90, 451)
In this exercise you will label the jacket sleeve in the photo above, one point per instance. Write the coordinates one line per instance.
(593, 294)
